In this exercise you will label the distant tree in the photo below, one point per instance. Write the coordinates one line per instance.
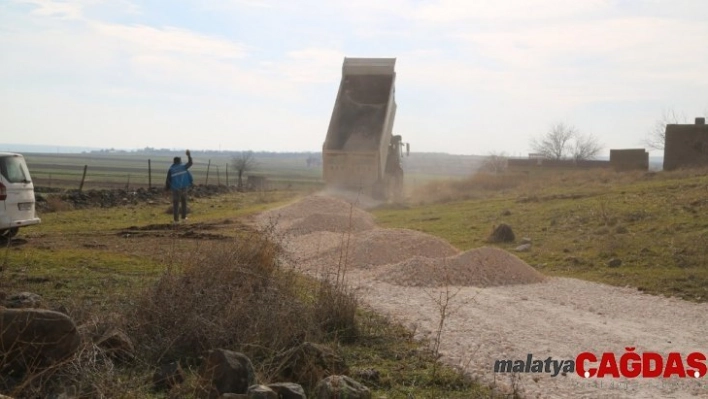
(585, 146)
(495, 162)
(564, 141)
(656, 137)
(243, 163)
(555, 143)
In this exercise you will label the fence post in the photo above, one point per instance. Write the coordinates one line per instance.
(227, 174)
(218, 176)
(127, 184)
(83, 178)
(149, 174)
(207, 178)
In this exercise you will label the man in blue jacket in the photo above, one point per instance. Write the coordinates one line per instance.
(179, 180)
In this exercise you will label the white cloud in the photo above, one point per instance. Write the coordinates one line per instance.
(169, 39)
(312, 65)
(446, 11)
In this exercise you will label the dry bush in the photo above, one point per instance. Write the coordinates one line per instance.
(90, 373)
(335, 311)
(235, 296)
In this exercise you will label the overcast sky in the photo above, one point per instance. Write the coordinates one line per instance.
(473, 76)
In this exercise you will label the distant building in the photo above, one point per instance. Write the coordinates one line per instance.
(629, 159)
(686, 145)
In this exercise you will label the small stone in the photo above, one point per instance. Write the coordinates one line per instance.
(523, 248)
(614, 262)
(23, 300)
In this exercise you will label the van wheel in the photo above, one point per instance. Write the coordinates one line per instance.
(9, 233)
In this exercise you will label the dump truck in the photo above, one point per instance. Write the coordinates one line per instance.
(360, 152)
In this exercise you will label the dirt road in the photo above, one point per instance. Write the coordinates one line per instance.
(557, 318)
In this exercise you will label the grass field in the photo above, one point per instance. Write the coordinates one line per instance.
(120, 170)
(580, 221)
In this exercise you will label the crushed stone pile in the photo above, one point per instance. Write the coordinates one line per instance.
(323, 233)
(317, 213)
(383, 246)
(482, 267)
(330, 222)
(314, 245)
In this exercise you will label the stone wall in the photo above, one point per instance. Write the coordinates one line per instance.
(525, 164)
(629, 159)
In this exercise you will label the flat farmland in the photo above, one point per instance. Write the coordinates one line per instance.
(133, 170)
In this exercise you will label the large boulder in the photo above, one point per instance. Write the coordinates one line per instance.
(228, 371)
(341, 387)
(32, 338)
(288, 390)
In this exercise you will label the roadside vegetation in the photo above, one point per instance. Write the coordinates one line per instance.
(640, 229)
(215, 282)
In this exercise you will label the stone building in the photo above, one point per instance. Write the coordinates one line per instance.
(686, 145)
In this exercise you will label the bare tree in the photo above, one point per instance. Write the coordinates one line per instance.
(555, 144)
(564, 141)
(495, 162)
(656, 136)
(585, 146)
(242, 163)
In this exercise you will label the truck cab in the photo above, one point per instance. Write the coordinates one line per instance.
(17, 202)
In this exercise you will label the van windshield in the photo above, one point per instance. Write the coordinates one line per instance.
(14, 170)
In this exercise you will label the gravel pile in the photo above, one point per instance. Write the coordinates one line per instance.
(384, 246)
(318, 213)
(324, 232)
(482, 267)
(330, 222)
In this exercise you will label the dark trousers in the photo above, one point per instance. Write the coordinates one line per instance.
(179, 197)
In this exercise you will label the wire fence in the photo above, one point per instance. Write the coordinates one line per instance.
(133, 174)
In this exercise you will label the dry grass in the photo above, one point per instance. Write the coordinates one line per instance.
(236, 296)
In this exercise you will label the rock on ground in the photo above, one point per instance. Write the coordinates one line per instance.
(228, 371)
(341, 386)
(35, 338)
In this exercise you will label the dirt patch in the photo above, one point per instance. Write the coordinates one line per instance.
(483, 267)
(192, 231)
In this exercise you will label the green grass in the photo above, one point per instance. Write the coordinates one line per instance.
(579, 221)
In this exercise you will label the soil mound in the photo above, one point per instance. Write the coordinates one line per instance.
(482, 267)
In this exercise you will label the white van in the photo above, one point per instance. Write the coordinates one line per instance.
(16, 195)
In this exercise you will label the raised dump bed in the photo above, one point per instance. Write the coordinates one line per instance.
(359, 140)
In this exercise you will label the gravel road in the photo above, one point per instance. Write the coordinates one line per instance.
(558, 317)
